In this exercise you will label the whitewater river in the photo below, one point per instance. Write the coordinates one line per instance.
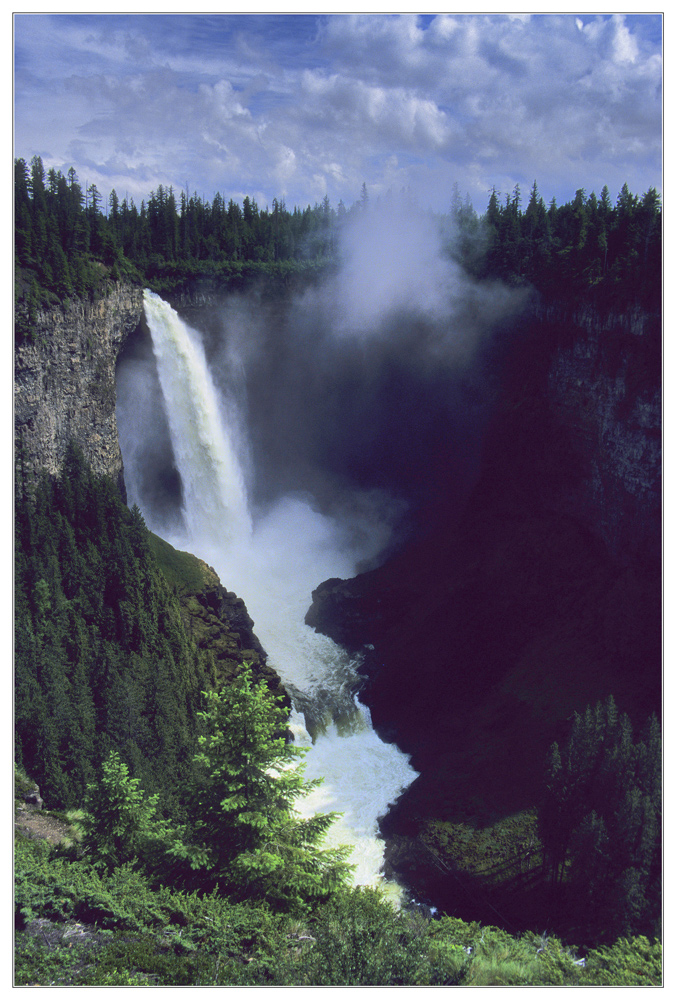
(273, 560)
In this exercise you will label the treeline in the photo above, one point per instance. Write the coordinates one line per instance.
(587, 248)
(103, 657)
(66, 244)
(67, 241)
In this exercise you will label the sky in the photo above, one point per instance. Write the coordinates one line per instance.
(297, 107)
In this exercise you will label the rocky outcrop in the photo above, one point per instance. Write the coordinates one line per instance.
(65, 383)
(33, 799)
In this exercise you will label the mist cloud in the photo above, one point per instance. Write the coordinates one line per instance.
(400, 295)
(391, 262)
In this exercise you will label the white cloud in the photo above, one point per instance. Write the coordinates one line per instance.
(222, 100)
(374, 112)
(317, 106)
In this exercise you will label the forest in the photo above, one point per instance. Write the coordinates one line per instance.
(196, 870)
(67, 240)
(184, 851)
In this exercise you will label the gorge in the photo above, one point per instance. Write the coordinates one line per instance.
(490, 517)
(426, 468)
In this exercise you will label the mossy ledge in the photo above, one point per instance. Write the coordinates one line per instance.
(216, 619)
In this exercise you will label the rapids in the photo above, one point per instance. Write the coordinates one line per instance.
(273, 559)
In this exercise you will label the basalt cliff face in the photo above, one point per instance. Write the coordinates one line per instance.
(604, 395)
(64, 383)
(487, 631)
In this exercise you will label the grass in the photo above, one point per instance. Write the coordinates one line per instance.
(182, 569)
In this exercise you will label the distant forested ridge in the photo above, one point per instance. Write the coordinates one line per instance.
(68, 240)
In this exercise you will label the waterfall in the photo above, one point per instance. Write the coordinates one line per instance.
(213, 485)
(273, 561)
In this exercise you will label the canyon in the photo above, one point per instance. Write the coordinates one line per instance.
(529, 592)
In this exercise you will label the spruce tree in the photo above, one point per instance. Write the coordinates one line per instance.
(600, 821)
(255, 843)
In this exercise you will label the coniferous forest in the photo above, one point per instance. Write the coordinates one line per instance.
(163, 752)
(68, 240)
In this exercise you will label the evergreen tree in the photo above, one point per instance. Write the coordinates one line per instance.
(243, 816)
(120, 823)
(103, 660)
(600, 821)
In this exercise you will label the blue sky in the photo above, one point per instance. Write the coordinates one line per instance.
(300, 106)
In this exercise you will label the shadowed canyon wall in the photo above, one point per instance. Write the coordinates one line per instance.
(485, 633)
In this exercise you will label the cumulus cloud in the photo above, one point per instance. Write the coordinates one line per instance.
(222, 101)
(376, 112)
(304, 106)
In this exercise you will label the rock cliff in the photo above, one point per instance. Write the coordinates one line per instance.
(485, 633)
(65, 383)
(65, 392)
(604, 389)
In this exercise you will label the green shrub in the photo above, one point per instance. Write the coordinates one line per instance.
(629, 962)
(156, 936)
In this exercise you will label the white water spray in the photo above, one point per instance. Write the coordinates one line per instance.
(273, 564)
(213, 485)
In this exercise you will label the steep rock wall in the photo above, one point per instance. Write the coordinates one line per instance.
(604, 387)
(64, 383)
(484, 634)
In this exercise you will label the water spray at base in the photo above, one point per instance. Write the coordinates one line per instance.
(273, 562)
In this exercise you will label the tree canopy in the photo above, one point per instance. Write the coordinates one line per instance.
(104, 659)
(600, 821)
(70, 241)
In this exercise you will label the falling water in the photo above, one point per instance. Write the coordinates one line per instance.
(213, 486)
(273, 563)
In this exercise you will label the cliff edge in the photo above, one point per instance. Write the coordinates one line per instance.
(64, 383)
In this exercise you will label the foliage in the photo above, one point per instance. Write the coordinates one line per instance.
(499, 854)
(181, 569)
(103, 658)
(243, 814)
(136, 934)
(59, 888)
(120, 824)
(586, 247)
(22, 783)
(360, 939)
(629, 962)
(243, 835)
(600, 822)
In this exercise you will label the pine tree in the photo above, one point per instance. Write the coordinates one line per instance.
(600, 821)
(256, 844)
